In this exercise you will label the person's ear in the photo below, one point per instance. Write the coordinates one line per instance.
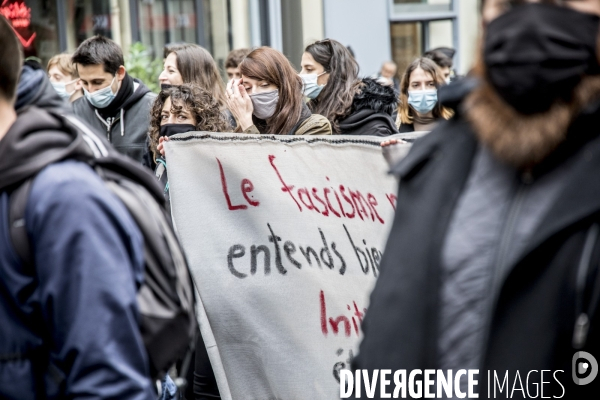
(121, 73)
(78, 85)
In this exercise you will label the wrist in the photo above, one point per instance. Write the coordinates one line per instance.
(246, 122)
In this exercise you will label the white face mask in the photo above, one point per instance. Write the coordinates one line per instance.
(101, 98)
(311, 88)
(61, 88)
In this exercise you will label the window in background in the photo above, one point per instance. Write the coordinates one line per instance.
(440, 34)
(407, 44)
(217, 20)
(408, 6)
(166, 21)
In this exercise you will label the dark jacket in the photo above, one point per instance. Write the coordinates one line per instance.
(533, 319)
(371, 112)
(128, 130)
(35, 89)
(70, 324)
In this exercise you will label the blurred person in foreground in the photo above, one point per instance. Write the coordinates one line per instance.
(493, 258)
(114, 104)
(64, 77)
(69, 314)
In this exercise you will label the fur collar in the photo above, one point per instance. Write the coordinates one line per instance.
(524, 141)
(374, 96)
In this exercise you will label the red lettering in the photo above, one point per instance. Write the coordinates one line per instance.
(247, 187)
(337, 214)
(285, 188)
(342, 189)
(336, 322)
(339, 203)
(224, 186)
(355, 326)
(358, 313)
(373, 204)
(316, 196)
(323, 313)
(308, 205)
(392, 199)
(359, 200)
(356, 318)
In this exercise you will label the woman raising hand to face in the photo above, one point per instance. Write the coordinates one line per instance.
(268, 98)
(239, 103)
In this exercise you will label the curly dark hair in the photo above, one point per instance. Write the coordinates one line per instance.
(202, 104)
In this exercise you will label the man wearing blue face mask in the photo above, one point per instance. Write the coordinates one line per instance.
(114, 103)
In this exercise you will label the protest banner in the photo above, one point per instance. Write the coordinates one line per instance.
(284, 235)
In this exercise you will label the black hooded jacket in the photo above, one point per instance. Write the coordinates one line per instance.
(371, 112)
(127, 131)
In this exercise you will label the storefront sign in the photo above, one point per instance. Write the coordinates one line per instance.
(20, 17)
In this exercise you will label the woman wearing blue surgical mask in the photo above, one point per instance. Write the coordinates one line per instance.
(268, 98)
(64, 77)
(419, 109)
(353, 106)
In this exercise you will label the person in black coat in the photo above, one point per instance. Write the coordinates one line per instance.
(371, 111)
(493, 260)
(353, 106)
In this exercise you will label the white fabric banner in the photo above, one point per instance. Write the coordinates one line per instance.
(284, 238)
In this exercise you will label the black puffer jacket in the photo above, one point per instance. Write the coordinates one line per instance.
(371, 112)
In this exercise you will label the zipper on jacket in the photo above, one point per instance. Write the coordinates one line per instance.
(108, 123)
(500, 260)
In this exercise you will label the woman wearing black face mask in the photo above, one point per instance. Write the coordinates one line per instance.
(180, 109)
(493, 261)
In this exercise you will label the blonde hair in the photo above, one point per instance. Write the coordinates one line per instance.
(405, 112)
(64, 64)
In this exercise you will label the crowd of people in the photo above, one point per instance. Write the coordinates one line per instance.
(499, 217)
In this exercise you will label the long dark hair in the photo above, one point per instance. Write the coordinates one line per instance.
(197, 66)
(335, 100)
(269, 65)
(198, 101)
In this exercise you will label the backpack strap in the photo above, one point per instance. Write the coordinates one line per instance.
(18, 229)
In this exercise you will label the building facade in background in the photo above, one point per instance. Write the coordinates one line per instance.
(376, 30)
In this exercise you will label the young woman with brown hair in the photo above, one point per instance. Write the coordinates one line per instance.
(353, 106)
(268, 98)
(419, 109)
(190, 63)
